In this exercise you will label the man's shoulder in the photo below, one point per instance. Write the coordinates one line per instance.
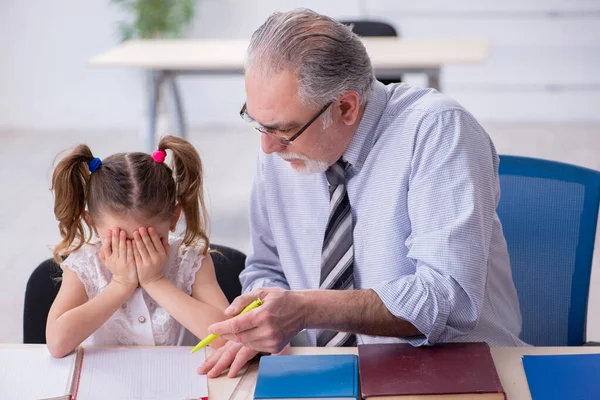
(407, 101)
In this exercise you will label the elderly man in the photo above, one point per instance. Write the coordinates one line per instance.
(373, 211)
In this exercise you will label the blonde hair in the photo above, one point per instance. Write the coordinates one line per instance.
(128, 183)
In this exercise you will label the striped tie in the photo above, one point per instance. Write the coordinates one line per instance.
(338, 252)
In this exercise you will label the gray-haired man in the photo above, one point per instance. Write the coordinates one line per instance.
(373, 211)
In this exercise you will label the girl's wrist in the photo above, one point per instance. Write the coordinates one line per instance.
(124, 286)
(154, 281)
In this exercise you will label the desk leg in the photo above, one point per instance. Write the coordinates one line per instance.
(154, 81)
(177, 106)
(433, 78)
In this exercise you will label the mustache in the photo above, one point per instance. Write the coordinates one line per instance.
(292, 156)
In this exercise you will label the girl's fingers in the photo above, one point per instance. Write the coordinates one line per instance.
(115, 242)
(136, 256)
(106, 241)
(156, 241)
(122, 244)
(141, 247)
(147, 241)
(165, 244)
(130, 257)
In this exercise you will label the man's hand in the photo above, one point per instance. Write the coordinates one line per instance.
(232, 355)
(268, 328)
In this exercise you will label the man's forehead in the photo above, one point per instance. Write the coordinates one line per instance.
(274, 93)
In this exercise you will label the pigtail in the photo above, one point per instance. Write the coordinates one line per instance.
(189, 178)
(70, 185)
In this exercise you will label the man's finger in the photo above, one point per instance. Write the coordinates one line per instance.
(234, 325)
(238, 304)
(241, 359)
(267, 345)
(248, 336)
(224, 361)
(210, 361)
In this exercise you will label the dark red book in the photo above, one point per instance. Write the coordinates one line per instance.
(446, 372)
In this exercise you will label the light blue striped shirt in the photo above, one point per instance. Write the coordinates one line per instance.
(423, 186)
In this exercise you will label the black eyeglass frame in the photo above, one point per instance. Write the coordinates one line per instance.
(283, 140)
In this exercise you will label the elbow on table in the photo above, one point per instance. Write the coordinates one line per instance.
(58, 347)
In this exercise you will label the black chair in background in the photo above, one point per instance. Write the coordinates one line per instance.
(43, 285)
(374, 28)
(229, 263)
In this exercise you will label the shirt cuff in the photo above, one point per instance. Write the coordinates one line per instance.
(413, 300)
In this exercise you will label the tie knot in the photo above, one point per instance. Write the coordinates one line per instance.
(336, 174)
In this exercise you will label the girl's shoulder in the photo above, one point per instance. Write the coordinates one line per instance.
(183, 251)
(85, 256)
(86, 264)
(186, 261)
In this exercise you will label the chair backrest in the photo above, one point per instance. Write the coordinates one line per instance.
(229, 263)
(375, 28)
(44, 283)
(549, 213)
(371, 28)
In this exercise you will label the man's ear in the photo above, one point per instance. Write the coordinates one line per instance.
(175, 218)
(349, 107)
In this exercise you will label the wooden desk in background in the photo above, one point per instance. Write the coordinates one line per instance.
(166, 59)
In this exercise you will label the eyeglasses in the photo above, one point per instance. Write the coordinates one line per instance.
(282, 139)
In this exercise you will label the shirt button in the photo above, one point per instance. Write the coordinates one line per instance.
(142, 319)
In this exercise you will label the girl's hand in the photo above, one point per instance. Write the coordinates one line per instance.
(117, 254)
(151, 254)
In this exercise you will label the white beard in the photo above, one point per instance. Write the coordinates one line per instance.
(310, 166)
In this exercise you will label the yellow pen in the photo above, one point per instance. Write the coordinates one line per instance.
(206, 341)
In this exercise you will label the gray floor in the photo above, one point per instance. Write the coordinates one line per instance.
(28, 228)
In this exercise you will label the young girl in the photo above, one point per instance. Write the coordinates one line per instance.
(136, 285)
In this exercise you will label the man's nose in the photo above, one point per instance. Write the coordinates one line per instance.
(271, 144)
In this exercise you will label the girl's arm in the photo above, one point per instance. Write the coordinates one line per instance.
(72, 318)
(197, 312)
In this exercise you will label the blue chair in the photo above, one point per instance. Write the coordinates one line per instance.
(549, 212)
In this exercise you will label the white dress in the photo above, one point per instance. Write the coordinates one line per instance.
(140, 320)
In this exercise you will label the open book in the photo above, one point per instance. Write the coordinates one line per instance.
(94, 373)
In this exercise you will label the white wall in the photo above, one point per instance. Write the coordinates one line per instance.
(544, 64)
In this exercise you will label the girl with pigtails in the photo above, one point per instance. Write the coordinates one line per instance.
(126, 280)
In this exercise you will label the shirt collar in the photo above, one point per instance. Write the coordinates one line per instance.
(364, 138)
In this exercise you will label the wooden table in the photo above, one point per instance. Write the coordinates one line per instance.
(507, 359)
(164, 60)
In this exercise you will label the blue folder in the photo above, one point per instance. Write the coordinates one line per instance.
(307, 377)
(572, 376)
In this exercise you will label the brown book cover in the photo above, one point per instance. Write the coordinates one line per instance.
(450, 370)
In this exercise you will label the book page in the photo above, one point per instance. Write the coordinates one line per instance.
(144, 373)
(31, 373)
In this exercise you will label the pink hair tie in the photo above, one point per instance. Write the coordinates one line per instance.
(159, 156)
